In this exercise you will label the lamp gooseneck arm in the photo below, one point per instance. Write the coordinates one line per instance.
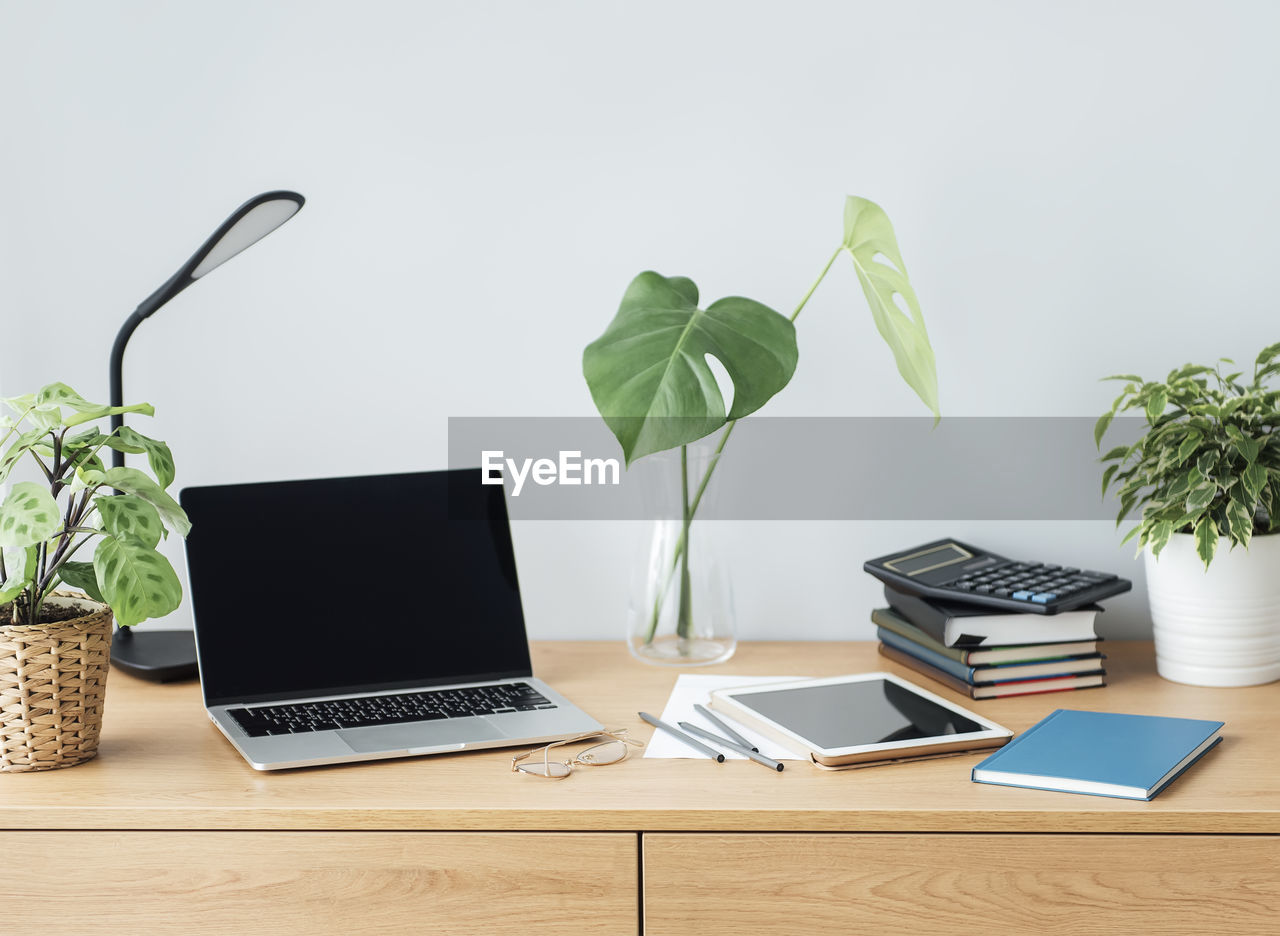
(117, 379)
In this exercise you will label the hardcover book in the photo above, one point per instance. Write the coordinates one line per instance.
(980, 656)
(994, 690)
(1063, 666)
(1101, 753)
(960, 625)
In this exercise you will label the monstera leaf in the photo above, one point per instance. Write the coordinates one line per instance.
(648, 372)
(868, 237)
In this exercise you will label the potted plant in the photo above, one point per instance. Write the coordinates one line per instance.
(1205, 480)
(650, 380)
(55, 644)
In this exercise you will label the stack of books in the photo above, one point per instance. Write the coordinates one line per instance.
(988, 654)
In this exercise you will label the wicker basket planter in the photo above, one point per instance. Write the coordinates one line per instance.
(52, 681)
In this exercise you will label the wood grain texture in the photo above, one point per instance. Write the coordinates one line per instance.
(961, 885)
(389, 883)
(162, 765)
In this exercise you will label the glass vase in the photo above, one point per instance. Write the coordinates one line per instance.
(681, 606)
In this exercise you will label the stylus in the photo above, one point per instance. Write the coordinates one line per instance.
(744, 751)
(729, 732)
(681, 736)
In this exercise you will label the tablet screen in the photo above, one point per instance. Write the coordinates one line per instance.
(848, 714)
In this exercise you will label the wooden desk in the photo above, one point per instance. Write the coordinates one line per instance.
(169, 831)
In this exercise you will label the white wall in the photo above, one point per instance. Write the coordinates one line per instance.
(1078, 189)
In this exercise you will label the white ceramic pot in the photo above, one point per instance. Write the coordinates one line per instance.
(1219, 627)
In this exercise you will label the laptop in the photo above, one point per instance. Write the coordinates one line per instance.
(351, 619)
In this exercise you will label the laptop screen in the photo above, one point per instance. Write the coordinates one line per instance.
(352, 584)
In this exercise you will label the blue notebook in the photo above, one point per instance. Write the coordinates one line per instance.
(1101, 753)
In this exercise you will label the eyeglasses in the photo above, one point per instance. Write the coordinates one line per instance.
(598, 755)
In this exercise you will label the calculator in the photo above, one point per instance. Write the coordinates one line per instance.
(949, 570)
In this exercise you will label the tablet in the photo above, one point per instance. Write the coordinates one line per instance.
(865, 717)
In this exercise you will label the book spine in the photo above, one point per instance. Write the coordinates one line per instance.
(892, 620)
(1025, 687)
(944, 663)
(1042, 669)
(1031, 653)
(924, 669)
(1185, 767)
(918, 612)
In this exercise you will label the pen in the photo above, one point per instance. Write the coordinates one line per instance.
(728, 732)
(745, 751)
(681, 736)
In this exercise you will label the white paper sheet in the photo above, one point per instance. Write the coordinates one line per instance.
(696, 687)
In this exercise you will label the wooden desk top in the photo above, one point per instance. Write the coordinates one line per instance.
(163, 765)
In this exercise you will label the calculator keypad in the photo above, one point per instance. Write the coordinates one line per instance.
(1033, 582)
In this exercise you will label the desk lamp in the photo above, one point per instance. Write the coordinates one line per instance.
(166, 655)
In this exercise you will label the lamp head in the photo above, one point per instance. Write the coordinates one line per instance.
(248, 224)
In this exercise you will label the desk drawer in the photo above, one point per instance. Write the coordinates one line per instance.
(319, 882)
(959, 884)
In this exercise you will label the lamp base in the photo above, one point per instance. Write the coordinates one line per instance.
(158, 656)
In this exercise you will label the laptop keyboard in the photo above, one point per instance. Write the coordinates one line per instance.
(389, 709)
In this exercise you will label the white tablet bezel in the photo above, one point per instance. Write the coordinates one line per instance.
(990, 730)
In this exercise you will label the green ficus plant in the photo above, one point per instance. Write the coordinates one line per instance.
(649, 377)
(123, 512)
(1209, 462)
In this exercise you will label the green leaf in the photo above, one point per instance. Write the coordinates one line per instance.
(12, 588)
(29, 515)
(868, 236)
(1131, 378)
(1159, 536)
(1231, 406)
(1126, 505)
(1189, 445)
(20, 568)
(1201, 496)
(158, 455)
(1100, 428)
(1266, 354)
(60, 394)
(1271, 503)
(1156, 404)
(1248, 448)
(1131, 534)
(135, 580)
(133, 481)
(1206, 463)
(1186, 520)
(21, 561)
(648, 373)
(82, 576)
(1189, 370)
(19, 447)
(93, 438)
(1240, 523)
(1206, 540)
(1184, 483)
(1254, 478)
(1107, 476)
(1120, 451)
(127, 515)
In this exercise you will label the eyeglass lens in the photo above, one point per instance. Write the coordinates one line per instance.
(555, 769)
(609, 752)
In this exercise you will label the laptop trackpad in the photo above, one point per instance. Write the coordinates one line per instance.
(418, 735)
